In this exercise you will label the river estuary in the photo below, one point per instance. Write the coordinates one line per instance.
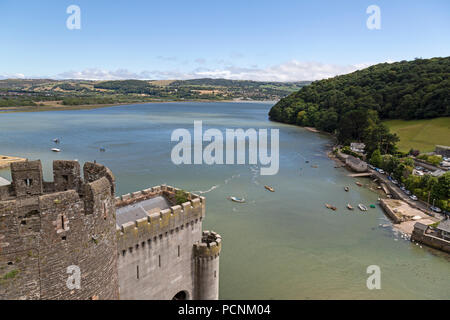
(281, 245)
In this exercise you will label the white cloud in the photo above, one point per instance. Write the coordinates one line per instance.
(289, 71)
(12, 76)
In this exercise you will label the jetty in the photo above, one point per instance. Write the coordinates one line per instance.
(5, 161)
(385, 189)
(364, 174)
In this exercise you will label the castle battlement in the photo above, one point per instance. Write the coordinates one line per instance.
(210, 245)
(155, 224)
(47, 226)
(28, 181)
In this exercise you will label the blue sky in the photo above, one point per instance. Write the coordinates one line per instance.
(263, 40)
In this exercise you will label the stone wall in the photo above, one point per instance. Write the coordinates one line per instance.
(430, 240)
(42, 234)
(156, 253)
(45, 227)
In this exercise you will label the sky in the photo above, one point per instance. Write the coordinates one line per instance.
(282, 40)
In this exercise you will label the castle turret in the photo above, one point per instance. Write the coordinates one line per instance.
(58, 239)
(207, 266)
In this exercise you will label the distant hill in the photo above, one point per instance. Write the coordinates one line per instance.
(34, 92)
(348, 104)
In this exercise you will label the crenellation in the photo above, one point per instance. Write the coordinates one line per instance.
(93, 171)
(47, 226)
(156, 224)
(210, 245)
(66, 175)
(44, 229)
(27, 178)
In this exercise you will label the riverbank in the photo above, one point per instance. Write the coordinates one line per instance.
(61, 107)
(5, 161)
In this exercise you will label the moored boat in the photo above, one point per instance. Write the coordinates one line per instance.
(347, 189)
(362, 207)
(349, 206)
(235, 199)
(269, 188)
(56, 150)
(329, 206)
(359, 184)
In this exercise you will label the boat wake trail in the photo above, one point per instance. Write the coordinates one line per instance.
(209, 190)
(217, 185)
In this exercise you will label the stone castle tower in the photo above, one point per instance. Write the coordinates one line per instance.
(138, 246)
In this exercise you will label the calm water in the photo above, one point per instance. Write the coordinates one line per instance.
(282, 245)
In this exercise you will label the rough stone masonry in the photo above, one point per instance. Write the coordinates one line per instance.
(138, 246)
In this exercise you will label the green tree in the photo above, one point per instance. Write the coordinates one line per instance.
(376, 159)
(441, 190)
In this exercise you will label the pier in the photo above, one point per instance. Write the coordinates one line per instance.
(364, 174)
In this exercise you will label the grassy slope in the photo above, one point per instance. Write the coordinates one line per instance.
(421, 134)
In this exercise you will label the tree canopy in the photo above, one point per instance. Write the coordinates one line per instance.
(352, 105)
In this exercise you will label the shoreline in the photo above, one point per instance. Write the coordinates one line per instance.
(5, 161)
(99, 106)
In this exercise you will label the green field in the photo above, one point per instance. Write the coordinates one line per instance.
(423, 135)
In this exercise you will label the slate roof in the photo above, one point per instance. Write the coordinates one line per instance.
(140, 210)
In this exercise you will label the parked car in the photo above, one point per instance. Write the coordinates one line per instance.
(408, 192)
(402, 188)
(413, 197)
(371, 167)
(394, 181)
(381, 171)
(436, 209)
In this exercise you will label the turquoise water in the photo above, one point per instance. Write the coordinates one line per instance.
(282, 245)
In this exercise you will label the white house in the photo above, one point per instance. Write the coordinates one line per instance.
(357, 147)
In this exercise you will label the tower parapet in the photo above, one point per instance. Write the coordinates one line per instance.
(154, 224)
(48, 228)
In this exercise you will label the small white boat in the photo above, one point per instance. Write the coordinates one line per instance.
(235, 199)
(362, 207)
(56, 150)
